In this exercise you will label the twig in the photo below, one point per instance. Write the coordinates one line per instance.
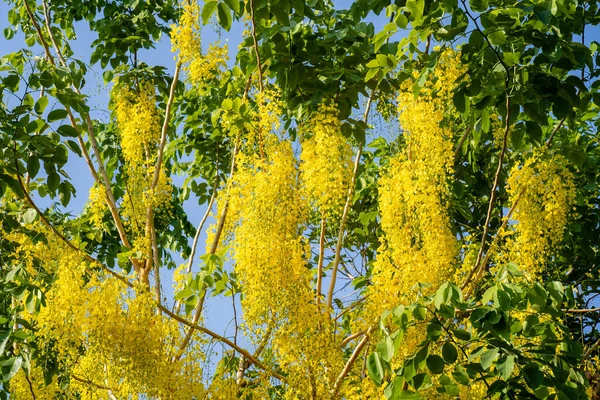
(502, 227)
(591, 349)
(197, 237)
(560, 124)
(462, 141)
(260, 72)
(581, 310)
(224, 340)
(486, 226)
(340, 241)
(109, 193)
(351, 360)
(213, 249)
(243, 364)
(350, 338)
(88, 382)
(320, 262)
(165, 126)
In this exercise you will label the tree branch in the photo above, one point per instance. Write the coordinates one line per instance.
(340, 241)
(224, 340)
(338, 382)
(486, 226)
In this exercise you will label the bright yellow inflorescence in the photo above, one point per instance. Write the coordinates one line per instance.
(97, 205)
(544, 189)
(326, 162)
(139, 129)
(268, 209)
(185, 39)
(419, 246)
(104, 335)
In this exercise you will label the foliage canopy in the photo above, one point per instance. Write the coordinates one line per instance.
(399, 198)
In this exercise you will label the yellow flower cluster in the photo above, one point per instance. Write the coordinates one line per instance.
(545, 191)
(418, 246)
(104, 335)
(267, 210)
(185, 39)
(268, 250)
(206, 67)
(139, 126)
(138, 120)
(97, 205)
(326, 161)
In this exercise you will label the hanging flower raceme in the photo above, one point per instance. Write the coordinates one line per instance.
(326, 161)
(139, 127)
(544, 191)
(186, 40)
(418, 246)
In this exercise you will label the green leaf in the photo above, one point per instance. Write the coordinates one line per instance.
(183, 294)
(41, 104)
(488, 358)
(449, 353)
(33, 166)
(235, 5)
(533, 376)
(30, 302)
(505, 366)
(497, 37)
(478, 5)
(29, 216)
(53, 181)
(375, 368)
(442, 295)
(57, 114)
(4, 340)
(224, 16)
(11, 366)
(419, 312)
(534, 131)
(462, 334)
(208, 10)
(435, 364)
(459, 101)
(434, 331)
(67, 130)
(385, 348)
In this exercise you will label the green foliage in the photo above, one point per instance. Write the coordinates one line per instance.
(513, 339)
(526, 63)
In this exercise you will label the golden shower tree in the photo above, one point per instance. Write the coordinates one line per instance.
(397, 200)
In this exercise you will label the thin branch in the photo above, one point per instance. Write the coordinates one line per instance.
(461, 142)
(320, 262)
(165, 126)
(591, 349)
(350, 307)
(340, 241)
(493, 244)
(88, 382)
(493, 194)
(478, 28)
(338, 382)
(109, 193)
(213, 249)
(560, 124)
(30, 386)
(243, 364)
(224, 340)
(260, 71)
(350, 338)
(197, 237)
(581, 310)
